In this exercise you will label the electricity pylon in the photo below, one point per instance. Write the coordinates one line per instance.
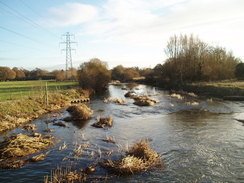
(68, 50)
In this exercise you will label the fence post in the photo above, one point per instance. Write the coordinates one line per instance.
(46, 94)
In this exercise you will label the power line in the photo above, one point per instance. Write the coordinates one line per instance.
(22, 46)
(39, 15)
(15, 15)
(25, 37)
(32, 23)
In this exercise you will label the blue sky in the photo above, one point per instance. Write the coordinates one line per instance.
(126, 32)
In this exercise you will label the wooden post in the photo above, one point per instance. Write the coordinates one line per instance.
(46, 94)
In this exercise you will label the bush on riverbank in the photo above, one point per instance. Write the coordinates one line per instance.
(94, 75)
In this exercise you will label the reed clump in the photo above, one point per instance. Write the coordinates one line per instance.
(139, 157)
(102, 122)
(39, 157)
(12, 164)
(29, 127)
(19, 145)
(66, 175)
(141, 100)
(144, 101)
(80, 112)
(115, 100)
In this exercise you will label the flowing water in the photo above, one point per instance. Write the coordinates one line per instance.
(198, 139)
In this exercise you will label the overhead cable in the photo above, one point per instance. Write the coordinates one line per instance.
(26, 37)
(23, 46)
(39, 15)
(33, 23)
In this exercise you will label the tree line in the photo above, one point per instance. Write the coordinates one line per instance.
(189, 59)
(15, 73)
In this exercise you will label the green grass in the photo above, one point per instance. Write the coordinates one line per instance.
(12, 90)
(218, 89)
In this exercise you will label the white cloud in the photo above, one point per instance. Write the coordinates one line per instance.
(151, 22)
(139, 29)
(71, 14)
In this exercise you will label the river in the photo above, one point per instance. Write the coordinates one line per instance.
(198, 138)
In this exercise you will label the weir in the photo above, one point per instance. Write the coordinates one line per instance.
(80, 100)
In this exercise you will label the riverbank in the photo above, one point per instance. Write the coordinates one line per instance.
(16, 113)
(228, 89)
(224, 89)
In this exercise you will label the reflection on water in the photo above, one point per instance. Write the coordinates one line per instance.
(197, 143)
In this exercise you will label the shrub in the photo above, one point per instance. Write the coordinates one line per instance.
(94, 75)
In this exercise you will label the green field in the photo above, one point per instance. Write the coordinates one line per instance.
(11, 90)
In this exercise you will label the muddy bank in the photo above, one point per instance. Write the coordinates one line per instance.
(17, 113)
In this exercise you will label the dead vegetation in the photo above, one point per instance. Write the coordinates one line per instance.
(39, 157)
(80, 112)
(12, 164)
(60, 123)
(66, 175)
(141, 100)
(19, 145)
(115, 100)
(102, 122)
(109, 139)
(130, 94)
(139, 157)
(144, 101)
(29, 127)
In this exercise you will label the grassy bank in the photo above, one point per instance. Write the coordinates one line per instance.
(11, 90)
(16, 113)
(217, 89)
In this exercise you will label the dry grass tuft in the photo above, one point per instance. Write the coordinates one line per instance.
(61, 124)
(18, 145)
(65, 175)
(29, 127)
(141, 100)
(109, 139)
(130, 94)
(102, 122)
(12, 164)
(144, 101)
(115, 100)
(139, 158)
(39, 157)
(80, 112)
(142, 150)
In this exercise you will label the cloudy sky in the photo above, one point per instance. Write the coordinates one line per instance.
(126, 32)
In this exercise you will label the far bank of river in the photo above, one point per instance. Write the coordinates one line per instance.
(229, 89)
(224, 89)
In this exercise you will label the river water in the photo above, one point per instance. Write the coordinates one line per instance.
(198, 139)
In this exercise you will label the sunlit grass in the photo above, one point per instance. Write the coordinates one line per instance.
(225, 83)
(218, 88)
(12, 90)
